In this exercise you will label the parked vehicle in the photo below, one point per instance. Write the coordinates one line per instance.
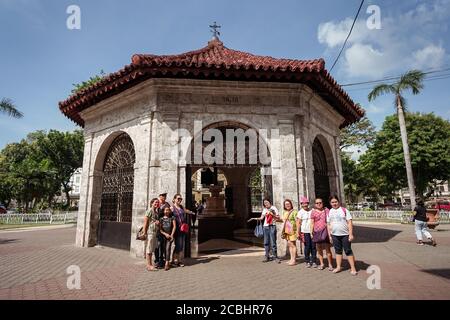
(439, 204)
(3, 209)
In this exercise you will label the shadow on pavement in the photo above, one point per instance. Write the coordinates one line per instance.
(6, 241)
(373, 234)
(199, 260)
(444, 273)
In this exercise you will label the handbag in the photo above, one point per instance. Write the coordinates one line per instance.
(320, 236)
(259, 230)
(285, 235)
(141, 235)
(184, 227)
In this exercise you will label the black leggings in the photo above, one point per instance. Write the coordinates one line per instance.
(167, 247)
(340, 242)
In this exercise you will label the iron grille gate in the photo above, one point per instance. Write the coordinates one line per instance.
(321, 178)
(117, 194)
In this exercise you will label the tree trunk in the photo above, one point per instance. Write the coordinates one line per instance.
(67, 192)
(409, 172)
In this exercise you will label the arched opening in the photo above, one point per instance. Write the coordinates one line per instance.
(239, 159)
(321, 172)
(202, 178)
(116, 207)
(260, 187)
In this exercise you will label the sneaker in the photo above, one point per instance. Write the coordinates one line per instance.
(420, 243)
(266, 259)
(314, 265)
(433, 243)
(308, 265)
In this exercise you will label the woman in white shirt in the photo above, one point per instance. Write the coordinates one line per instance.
(340, 227)
(270, 215)
(304, 232)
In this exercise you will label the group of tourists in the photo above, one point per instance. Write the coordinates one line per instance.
(317, 228)
(165, 226)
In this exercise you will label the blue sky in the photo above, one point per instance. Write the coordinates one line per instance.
(40, 58)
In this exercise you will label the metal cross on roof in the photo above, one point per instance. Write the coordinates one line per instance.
(214, 28)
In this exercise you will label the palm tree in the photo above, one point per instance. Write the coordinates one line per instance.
(412, 80)
(8, 107)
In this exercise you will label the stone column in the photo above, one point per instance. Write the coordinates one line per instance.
(287, 175)
(84, 211)
(142, 139)
(340, 175)
(300, 156)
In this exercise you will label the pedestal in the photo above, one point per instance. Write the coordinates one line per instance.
(219, 227)
(215, 223)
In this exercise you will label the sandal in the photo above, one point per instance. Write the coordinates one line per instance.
(337, 270)
(151, 268)
(330, 268)
(320, 267)
(354, 273)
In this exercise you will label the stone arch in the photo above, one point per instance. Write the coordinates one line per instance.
(237, 174)
(324, 168)
(112, 196)
(232, 124)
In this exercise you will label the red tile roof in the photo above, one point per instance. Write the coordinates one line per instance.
(215, 61)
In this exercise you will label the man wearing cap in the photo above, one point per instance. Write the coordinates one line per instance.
(304, 220)
(159, 251)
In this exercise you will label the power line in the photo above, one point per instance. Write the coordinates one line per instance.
(436, 77)
(348, 36)
(392, 78)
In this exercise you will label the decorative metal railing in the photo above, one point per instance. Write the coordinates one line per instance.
(395, 216)
(39, 218)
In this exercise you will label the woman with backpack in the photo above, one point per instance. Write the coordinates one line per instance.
(340, 227)
(319, 233)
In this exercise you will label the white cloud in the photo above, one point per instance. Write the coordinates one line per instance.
(429, 57)
(364, 60)
(375, 109)
(333, 34)
(406, 40)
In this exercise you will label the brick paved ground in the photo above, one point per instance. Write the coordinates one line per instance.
(33, 266)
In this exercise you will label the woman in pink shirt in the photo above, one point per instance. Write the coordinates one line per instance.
(319, 233)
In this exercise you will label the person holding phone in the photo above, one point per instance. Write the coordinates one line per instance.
(270, 216)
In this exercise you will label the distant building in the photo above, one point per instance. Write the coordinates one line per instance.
(441, 190)
(74, 194)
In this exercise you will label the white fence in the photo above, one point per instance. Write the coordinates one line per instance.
(39, 218)
(395, 216)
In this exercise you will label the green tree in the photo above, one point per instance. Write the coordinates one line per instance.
(27, 174)
(85, 84)
(36, 169)
(64, 151)
(361, 133)
(429, 140)
(412, 80)
(8, 107)
(351, 178)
